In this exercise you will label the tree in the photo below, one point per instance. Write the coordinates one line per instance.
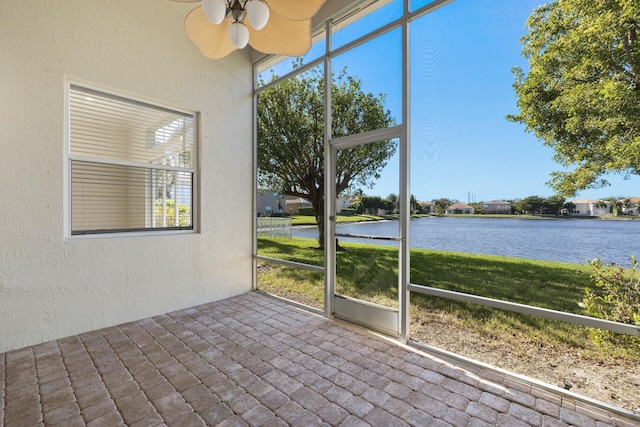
(371, 204)
(625, 204)
(553, 205)
(569, 207)
(413, 204)
(440, 205)
(581, 95)
(513, 210)
(388, 206)
(602, 204)
(477, 207)
(617, 203)
(393, 198)
(291, 137)
(423, 207)
(531, 204)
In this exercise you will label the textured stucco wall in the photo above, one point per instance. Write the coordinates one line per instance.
(52, 287)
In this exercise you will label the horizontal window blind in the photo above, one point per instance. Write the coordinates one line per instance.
(132, 164)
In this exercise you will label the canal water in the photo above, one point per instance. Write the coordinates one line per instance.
(567, 240)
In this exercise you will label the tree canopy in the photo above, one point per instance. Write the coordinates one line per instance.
(581, 94)
(440, 205)
(529, 205)
(371, 204)
(291, 137)
(553, 205)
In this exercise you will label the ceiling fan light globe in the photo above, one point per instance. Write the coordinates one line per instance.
(215, 10)
(257, 13)
(239, 35)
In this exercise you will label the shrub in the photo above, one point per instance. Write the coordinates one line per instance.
(279, 215)
(616, 297)
(184, 213)
(305, 211)
(348, 212)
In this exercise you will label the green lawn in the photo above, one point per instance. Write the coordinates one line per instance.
(311, 220)
(369, 272)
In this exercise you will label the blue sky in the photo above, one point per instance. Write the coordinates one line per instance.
(462, 146)
(461, 83)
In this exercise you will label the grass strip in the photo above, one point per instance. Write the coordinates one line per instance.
(311, 220)
(370, 272)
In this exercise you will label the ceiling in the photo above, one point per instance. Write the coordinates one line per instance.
(331, 9)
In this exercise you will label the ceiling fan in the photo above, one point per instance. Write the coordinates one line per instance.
(218, 27)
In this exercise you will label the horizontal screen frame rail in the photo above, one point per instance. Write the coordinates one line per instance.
(290, 263)
(621, 328)
(365, 236)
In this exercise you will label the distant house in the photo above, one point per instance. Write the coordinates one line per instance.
(295, 203)
(460, 209)
(342, 202)
(631, 208)
(269, 202)
(591, 207)
(496, 207)
(425, 207)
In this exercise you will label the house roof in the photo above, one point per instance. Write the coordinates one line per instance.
(291, 199)
(588, 201)
(460, 206)
(585, 200)
(496, 202)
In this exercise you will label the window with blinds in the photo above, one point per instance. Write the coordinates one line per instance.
(132, 164)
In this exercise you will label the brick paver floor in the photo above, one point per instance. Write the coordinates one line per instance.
(253, 360)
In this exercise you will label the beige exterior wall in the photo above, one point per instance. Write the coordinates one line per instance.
(52, 286)
(591, 208)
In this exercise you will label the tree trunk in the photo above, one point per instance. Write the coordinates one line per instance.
(318, 210)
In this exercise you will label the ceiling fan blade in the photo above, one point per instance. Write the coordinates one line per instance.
(282, 36)
(296, 10)
(212, 40)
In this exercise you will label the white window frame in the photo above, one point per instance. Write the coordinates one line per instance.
(151, 227)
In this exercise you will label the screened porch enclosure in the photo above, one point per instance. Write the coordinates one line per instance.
(403, 51)
(149, 316)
